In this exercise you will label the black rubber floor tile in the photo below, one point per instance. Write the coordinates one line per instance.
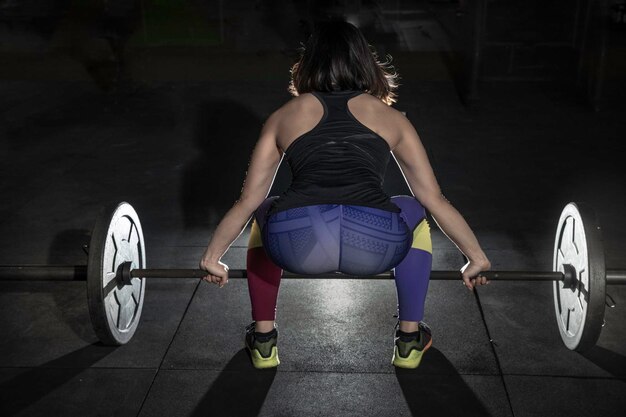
(522, 322)
(48, 392)
(47, 324)
(610, 351)
(231, 392)
(534, 396)
(334, 325)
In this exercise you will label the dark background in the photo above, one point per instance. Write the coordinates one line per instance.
(520, 104)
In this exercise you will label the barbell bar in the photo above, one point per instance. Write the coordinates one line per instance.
(116, 273)
(613, 276)
(616, 277)
(79, 273)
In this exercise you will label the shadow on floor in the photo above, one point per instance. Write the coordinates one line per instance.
(221, 398)
(612, 362)
(445, 394)
(67, 248)
(28, 387)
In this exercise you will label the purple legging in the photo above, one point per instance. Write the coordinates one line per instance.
(355, 240)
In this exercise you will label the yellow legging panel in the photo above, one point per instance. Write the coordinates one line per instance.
(421, 237)
(255, 236)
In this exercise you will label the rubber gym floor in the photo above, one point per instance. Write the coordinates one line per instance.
(176, 146)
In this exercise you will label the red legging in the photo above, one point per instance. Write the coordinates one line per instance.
(263, 275)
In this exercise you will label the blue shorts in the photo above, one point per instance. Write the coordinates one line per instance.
(354, 240)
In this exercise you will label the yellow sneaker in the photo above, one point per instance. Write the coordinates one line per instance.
(263, 350)
(408, 350)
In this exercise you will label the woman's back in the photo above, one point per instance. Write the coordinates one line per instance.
(338, 159)
(301, 114)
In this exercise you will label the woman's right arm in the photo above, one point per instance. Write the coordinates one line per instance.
(413, 161)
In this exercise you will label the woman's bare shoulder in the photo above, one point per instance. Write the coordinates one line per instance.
(386, 121)
(375, 105)
(297, 104)
(292, 107)
(296, 117)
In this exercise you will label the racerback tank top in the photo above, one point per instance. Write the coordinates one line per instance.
(339, 161)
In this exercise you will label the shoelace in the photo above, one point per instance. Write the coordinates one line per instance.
(250, 327)
(397, 326)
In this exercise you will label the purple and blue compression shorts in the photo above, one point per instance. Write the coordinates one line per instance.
(354, 240)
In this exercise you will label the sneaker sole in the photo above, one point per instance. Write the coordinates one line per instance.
(260, 362)
(412, 361)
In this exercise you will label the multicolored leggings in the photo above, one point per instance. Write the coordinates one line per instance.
(354, 240)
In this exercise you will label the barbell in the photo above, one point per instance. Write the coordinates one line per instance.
(116, 275)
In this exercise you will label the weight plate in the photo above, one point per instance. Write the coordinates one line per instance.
(579, 307)
(115, 308)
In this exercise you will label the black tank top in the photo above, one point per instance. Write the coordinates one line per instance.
(339, 161)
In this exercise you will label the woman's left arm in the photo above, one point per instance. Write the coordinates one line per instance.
(264, 163)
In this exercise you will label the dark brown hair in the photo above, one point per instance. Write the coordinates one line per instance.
(337, 57)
